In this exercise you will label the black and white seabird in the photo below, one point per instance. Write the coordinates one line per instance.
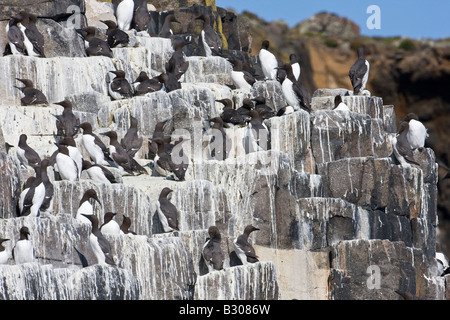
(296, 95)
(125, 226)
(119, 88)
(114, 36)
(95, 147)
(229, 114)
(401, 147)
(15, 37)
(212, 42)
(167, 212)
(157, 133)
(417, 132)
(141, 17)
(27, 155)
(178, 59)
(269, 62)
(23, 251)
(110, 225)
(220, 143)
(67, 124)
(47, 204)
(144, 84)
(85, 206)
(241, 78)
(212, 252)
(257, 135)
(124, 14)
(67, 167)
(260, 106)
(74, 152)
(98, 173)
(244, 110)
(118, 153)
(32, 96)
(4, 255)
(296, 70)
(33, 38)
(163, 158)
(179, 160)
(34, 197)
(339, 105)
(166, 31)
(153, 147)
(26, 187)
(131, 141)
(99, 244)
(172, 78)
(94, 46)
(244, 250)
(359, 73)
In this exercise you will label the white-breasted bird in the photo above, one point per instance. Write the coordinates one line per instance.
(269, 62)
(244, 250)
(23, 251)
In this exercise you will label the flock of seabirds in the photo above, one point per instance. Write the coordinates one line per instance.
(37, 196)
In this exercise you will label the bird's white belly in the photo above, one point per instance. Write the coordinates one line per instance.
(96, 249)
(94, 151)
(417, 134)
(240, 253)
(23, 252)
(96, 174)
(125, 11)
(163, 218)
(87, 209)
(4, 255)
(111, 227)
(268, 64)
(67, 167)
(289, 94)
(239, 81)
(208, 51)
(38, 198)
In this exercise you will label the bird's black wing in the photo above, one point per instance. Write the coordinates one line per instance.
(15, 36)
(171, 213)
(108, 174)
(249, 77)
(303, 95)
(404, 148)
(106, 248)
(248, 249)
(49, 191)
(102, 146)
(356, 74)
(37, 39)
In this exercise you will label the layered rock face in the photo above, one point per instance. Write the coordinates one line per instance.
(338, 217)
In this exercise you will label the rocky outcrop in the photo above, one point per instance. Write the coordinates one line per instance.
(330, 201)
(409, 78)
(328, 25)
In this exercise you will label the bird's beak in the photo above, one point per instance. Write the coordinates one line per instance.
(96, 199)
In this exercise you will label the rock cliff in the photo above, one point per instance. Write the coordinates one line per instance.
(338, 217)
(408, 74)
